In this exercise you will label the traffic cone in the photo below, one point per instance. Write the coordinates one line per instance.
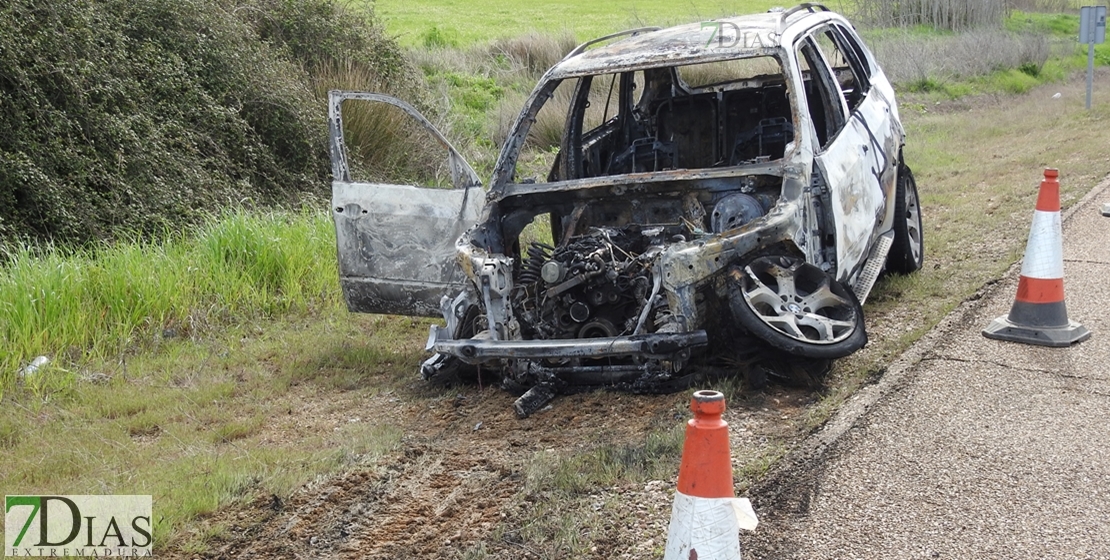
(707, 515)
(1039, 315)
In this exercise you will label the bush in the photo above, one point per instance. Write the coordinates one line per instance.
(913, 58)
(951, 15)
(140, 116)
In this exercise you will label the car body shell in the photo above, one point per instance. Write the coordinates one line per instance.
(826, 198)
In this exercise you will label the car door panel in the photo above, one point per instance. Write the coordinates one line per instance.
(396, 243)
(858, 167)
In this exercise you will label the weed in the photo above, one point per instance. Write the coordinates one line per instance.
(384, 143)
(236, 429)
(925, 85)
(227, 335)
(472, 97)
(942, 14)
(198, 418)
(753, 467)
(437, 38)
(1053, 23)
(477, 552)
(914, 59)
(1102, 54)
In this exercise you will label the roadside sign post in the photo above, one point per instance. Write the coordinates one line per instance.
(1092, 30)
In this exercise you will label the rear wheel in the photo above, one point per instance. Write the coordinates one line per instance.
(908, 252)
(797, 307)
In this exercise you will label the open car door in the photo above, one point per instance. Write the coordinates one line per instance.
(396, 242)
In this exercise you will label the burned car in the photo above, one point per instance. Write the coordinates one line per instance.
(717, 187)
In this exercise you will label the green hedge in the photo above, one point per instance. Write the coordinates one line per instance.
(124, 117)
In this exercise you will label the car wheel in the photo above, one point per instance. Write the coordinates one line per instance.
(908, 252)
(797, 307)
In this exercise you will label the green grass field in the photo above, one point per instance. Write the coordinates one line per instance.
(458, 22)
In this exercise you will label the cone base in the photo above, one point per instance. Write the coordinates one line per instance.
(707, 528)
(1002, 329)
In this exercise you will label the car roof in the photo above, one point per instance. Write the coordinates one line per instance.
(745, 36)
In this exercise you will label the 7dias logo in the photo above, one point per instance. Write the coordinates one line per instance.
(728, 35)
(93, 526)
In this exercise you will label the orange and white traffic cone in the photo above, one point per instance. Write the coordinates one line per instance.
(707, 515)
(1039, 315)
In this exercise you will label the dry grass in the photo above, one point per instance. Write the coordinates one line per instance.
(547, 132)
(222, 420)
(218, 419)
(513, 59)
(203, 423)
(534, 51)
(384, 143)
(941, 14)
(909, 57)
(700, 75)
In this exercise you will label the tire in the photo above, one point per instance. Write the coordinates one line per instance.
(907, 254)
(796, 307)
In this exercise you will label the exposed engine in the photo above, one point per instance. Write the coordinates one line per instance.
(591, 286)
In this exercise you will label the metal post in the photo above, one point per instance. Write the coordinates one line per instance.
(1090, 71)
(1092, 29)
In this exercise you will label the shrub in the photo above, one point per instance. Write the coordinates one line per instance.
(951, 15)
(910, 57)
(138, 116)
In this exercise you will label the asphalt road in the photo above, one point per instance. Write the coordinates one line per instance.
(968, 447)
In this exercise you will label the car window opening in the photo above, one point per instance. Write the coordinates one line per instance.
(690, 117)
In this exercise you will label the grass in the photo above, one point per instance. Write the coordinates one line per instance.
(572, 500)
(655, 457)
(155, 349)
(109, 299)
(206, 417)
(384, 143)
(977, 201)
(431, 23)
(978, 164)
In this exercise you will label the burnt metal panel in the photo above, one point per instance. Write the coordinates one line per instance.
(859, 167)
(478, 350)
(396, 244)
(708, 41)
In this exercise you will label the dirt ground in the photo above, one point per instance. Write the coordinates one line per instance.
(457, 485)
